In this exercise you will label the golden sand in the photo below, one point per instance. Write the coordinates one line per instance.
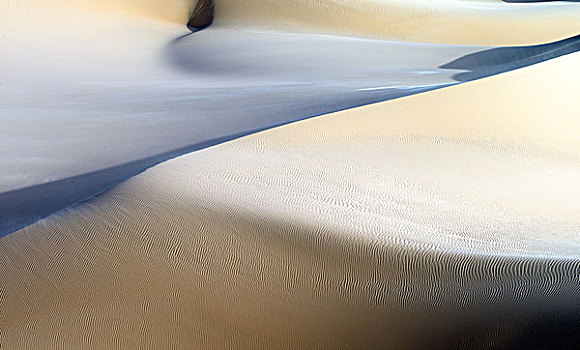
(441, 214)
(481, 22)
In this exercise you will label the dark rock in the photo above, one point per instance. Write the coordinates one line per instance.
(202, 15)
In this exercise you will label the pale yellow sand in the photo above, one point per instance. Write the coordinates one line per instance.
(483, 22)
(358, 229)
(451, 214)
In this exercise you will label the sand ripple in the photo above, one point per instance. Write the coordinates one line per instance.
(377, 227)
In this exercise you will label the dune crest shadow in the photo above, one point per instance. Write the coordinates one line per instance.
(25, 206)
(502, 59)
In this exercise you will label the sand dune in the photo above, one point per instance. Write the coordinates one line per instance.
(483, 22)
(434, 214)
(116, 87)
(446, 219)
(479, 22)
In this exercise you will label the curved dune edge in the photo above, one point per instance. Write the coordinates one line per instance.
(227, 247)
(91, 93)
(443, 21)
(67, 54)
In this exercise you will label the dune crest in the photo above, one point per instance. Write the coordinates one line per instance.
(448, 219)
(356, 230)
(113, 52)
(442, 21)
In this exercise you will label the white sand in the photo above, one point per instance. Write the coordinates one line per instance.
(450, 214)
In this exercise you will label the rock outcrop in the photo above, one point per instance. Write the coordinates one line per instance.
(202, 15)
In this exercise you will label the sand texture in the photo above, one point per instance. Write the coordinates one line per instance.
(115, 88)
(480, 22)
(297, 174)
(358, 229)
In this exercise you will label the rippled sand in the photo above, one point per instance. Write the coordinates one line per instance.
(447, 219)
(440, 214)
(94, 92)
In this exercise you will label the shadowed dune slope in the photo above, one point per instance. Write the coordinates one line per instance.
(497, 60)
(106, 89)
(436, 214)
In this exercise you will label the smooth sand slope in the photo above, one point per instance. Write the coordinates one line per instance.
(480, 22)
(447, 219)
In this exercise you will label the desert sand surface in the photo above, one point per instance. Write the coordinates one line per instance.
(434, 214)
(100, 91)
(481, 22)
(370, 174)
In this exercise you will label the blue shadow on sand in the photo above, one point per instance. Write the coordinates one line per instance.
(502, 59)
(22, 207)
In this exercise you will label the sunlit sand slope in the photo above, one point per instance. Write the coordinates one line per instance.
(90, 88)
(483, 22)
(176, 11)
(442, 214)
